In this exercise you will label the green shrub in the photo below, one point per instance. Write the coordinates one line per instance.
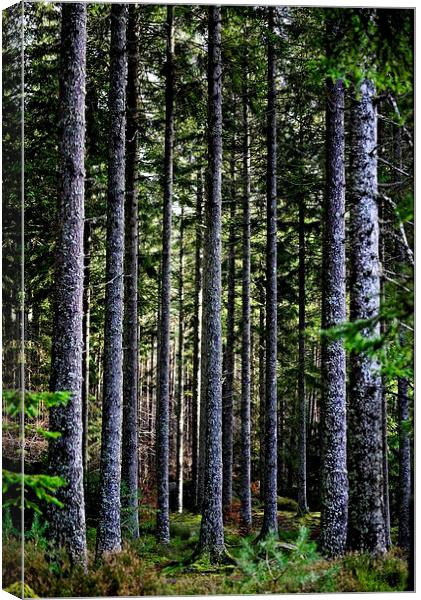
(37, 532)
(38, 490)
(274, 566)
(8, 529)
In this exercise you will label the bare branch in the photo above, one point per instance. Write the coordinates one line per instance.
(404, 240)
(389, 164)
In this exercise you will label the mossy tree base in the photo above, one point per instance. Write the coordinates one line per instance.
(204, 560)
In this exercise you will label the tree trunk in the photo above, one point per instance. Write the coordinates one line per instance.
(366, 523)
(404, 529)
(98, 395)
(86, 344)
(382, 257)
(173, 407)
(262, 394)
(151, 417)
(334, 478)
(270, 519)
(67, 524)
(91, 108)
(245, 490)
(302, 414)
(228, 386)
(108, 534)
(180, 379)
(129, 471)
(162, 420)
(404, 533)
(196, 344)
(211, 540)
(385, 451)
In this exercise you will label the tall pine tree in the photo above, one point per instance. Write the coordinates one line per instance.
(67, 524)
(211, 541)
(109, 533)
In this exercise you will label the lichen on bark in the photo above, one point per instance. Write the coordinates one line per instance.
(108, 533)
(334, 476)
(366, 530)
(129, 466)
(270, 518)
(211, 541)
(67, 524)
(162, 411)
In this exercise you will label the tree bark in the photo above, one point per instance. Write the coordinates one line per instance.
(262, 394)
(173, 410)
(86, 344)
(245, 490)
(382, 257)
(91, 108)
(130, 468)
(270, 519)
(108, 533)
(162, 420)
(385, 451)
(151, 417)
(228, 386)
(180, 378)
(67, 524)
(404, 528)
(404, 532)
(302, 413)
(334, 477)
(211, 541)
(366, 522)
(196, 343)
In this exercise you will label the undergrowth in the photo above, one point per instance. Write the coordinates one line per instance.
(287, 564)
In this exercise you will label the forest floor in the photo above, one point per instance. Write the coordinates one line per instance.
(290, 564)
